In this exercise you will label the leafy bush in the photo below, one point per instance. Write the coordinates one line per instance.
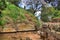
(44, 15)
(56, 14)
(2, 4)
(50, 12)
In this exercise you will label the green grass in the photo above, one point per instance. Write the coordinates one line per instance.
(14, 12)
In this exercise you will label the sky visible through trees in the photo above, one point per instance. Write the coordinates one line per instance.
(36, 4)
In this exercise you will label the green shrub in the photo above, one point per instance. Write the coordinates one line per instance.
(49, 12)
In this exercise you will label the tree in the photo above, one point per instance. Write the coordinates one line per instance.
(16, 2)
(44, 16)
(2, 4)
(58, 7)
(47, 13)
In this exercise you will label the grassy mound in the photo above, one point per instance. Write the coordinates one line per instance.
(14, 15)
